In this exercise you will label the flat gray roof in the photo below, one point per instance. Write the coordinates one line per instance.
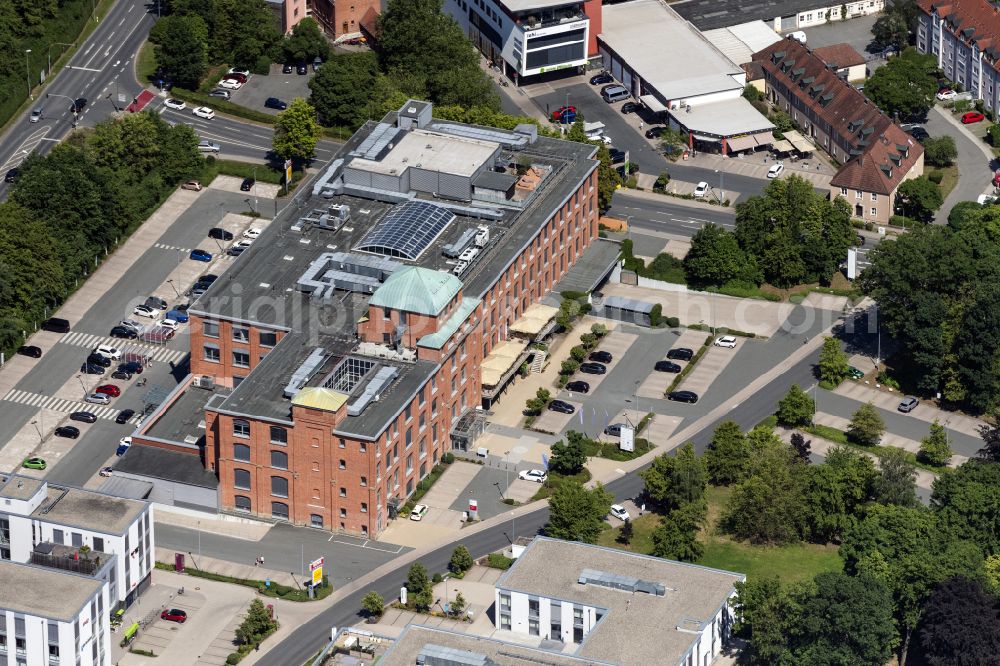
(432, 151)
(88, 510)
(184, 419)
(740, 42)
(49, 593)
(638, 628)
(415, 638)
(729, 117)
(685, 65)
(20, 487)
(597, 261)
(709, 14)
(157, 463)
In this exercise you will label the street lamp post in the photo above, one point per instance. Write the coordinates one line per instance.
(76, 114)
(255, 188)
(82, 385)
(171, 283)
(27, 72)
(50, 53)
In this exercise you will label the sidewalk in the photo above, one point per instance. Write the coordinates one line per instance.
(232, 569)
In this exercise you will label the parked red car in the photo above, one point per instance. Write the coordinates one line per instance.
(174, 615)
(996, 179)
(109, 390)
(557, 115)
(972, 117)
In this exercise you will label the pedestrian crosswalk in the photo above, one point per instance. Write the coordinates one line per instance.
(63, 405)
(155, 353)
(165, 246)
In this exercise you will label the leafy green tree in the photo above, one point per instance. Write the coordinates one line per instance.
(796, 408)
(715, 258)
(461, 560)
(257, 623)
(419, 593)
(764, 611)
(897, 479)
(801, 446)
(906, 85)
(940, 150)
(891, 29)
(836, 492)
(676, 537)
(934, 448)
(727, 458)
(990, 435)
(833, 366)
(342, 89)
(866, 426)
(625, 533)
(576, 513)
(373, 604)
(961, 625)
(458, 605)
(569, 458)
(296, 131)
(977, 356)
(181, 48)
(766, 508)
(843, 620)
(968, 506)
(242, 33)
(919, 198)
(306, 43)
(673, 481)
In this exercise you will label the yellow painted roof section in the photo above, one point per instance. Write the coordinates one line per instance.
(317, 397)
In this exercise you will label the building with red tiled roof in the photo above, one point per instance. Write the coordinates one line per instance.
(845, 59)
(964, 36)
(877, 155)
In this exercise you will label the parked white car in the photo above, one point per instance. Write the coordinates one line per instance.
(537, 475)
(946, 95)
(175, 104)
(237, 70)
(727, 341)
(252, 234)
(108, 351)
(170, 323)
(419, 511)
(775, 170)
(701, 190)
(146, 311)
(619, 512)
(204, 112)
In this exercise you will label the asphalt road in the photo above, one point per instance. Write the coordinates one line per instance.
(666, 215)
(309, 638)
(99, 70)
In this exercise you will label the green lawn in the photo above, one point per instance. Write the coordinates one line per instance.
(145, 63)
(788, 563)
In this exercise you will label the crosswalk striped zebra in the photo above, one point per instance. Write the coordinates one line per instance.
(63, 405)
(156, 353)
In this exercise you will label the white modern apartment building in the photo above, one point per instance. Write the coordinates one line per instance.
(50, 617)
(529, 37)
(962, 35)
(79, 531)
(615, 607)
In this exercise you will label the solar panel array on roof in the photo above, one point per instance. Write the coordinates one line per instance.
(407, 230)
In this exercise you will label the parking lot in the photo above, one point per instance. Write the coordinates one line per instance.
(711, 365)
(285, 87)
(656, 383)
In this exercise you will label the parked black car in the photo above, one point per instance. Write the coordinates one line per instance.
(124, 415)
(92, 369)
(84, 417)
(30, 350)
(302, 68)
(654, 132)
(246, 185)
(600, 357)
(72, 432)
(666, 366)
(681, 354)
(683, 396)
(121, 374)
(123, 332)
(220, 234)
(616, 155)
(12, 175)
(603, 77)
(631, 107)
(560, 406)
(99, 359)
(133, 367)
(275, 103)
(578, 387)
(287, 68)
(593, 368)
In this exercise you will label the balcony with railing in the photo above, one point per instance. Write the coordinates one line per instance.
(69, 558)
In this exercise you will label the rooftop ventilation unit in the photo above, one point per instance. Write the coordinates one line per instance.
(305, 371)
(382, 379)
(619, 582)
(337, 216)
(483, 235)
(439, 655)
(452, 250)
